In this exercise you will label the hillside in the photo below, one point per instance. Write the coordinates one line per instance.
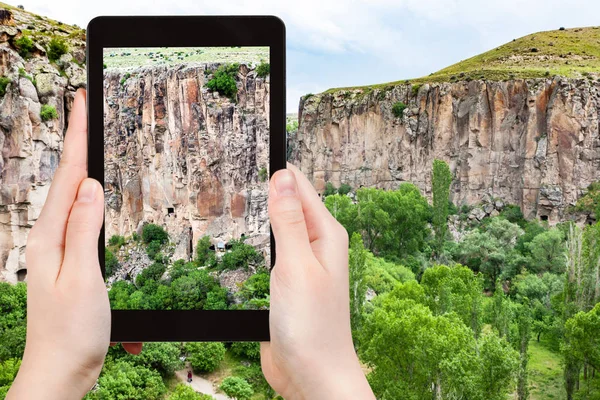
(572, 53)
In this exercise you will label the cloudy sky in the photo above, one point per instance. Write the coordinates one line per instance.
(333, 43)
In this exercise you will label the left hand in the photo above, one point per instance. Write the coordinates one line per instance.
(68, 313)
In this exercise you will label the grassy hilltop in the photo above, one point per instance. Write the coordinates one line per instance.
(573, 53)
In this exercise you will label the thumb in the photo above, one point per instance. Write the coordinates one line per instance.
(83, 228)
(287, 216)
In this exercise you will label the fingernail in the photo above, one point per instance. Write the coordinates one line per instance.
(87, 191)
(285, 183)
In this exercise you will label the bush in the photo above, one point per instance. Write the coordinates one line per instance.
(240, 256)
(56, 48)
(415, 89)
(153, 272)
(237, 388)
(124, 380)
(329, 189)
(263, 70)
(162, 357)
(116, 240)
(203, 251)
(257, 286)
(248, 350)
(205, 357)
(4, 81)
(344, 189)
(254, 376)
(126, 76)
(153, 249)
(153, 232)
(398, 109)
(48, 113)
(24, 45)
(110, 263)
(263, 175)
(185, 392)
(223, 81)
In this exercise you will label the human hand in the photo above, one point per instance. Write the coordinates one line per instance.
(68, 314)
(311, 354)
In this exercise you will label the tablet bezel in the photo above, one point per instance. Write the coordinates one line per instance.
(188, 31)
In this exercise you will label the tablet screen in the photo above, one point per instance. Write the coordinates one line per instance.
(186, 167)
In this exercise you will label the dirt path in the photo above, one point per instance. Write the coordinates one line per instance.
(201, 385)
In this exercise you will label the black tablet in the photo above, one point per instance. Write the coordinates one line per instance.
(186, 125)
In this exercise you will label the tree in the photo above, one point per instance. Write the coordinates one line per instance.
(454, 289)
(185, 392)
(547, 252)
(499, 365)
(344, 211)
(153, 232)
(382, 276)
(205, 357)
(440, 183)
(358, 288)
(123, 380)
(162, 357)
(257, 286)
(203, 250)
(523, 314)
(242, 256)
(110, 263)
(500, 312)
(237, 388)
(224, 82)
(248, 350)
(8, 372)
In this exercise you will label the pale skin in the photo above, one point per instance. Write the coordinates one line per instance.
(310, 356)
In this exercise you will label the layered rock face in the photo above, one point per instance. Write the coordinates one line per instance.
(30, 148)
(186, 158)
(534, 143)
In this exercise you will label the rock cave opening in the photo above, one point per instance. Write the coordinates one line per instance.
(544, 218)
(22, 275)
(170, 210)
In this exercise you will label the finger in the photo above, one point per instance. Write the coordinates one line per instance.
(287, 217)
(324, 232)
(133, 348)
(47, 236)
(83, 229)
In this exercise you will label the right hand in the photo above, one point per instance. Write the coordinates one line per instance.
(311, 354)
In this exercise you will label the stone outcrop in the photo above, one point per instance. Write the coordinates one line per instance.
(533, 143)
(184, 157)
(29, 147)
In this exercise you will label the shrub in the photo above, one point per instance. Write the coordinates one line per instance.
(223, 81)
(126, 76)
(153, 232)
(415, 89)
(240, 256)
(398, 109)
(237, 388)
(48, 113)
(56, 48)
(4, 81)
(124, 380)
(344, 189)
(116, 240)
(110, 263)
(153, 272)
(263, 69)
(205, 357)
(263, 175)
(203, 251)
(329, 189)
(24, 45)
(248, 350)
(104, 66)
(185, 392)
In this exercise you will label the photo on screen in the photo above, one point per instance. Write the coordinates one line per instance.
(186, 165)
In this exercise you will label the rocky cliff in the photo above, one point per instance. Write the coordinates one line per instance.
(534, 143)
(184, 157)
(30, 147)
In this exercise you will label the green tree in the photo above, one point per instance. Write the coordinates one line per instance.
(358, 288)
(524, 322)
(224, 81)
(382, 276)
(241, 255)
(499, 365)
(440, 182)
(8, 372)
(237, 388)
(547, 252)
(153, 232)
(185, 392)
(203, 251)
(329, 189)
(257, 286)
(455, 289)
(263, 69)
(247, 350)
(205, 357)
(344, 211)
(344, 189)
(110, 262)
(162, 357)
(500, 312)
(124, 380)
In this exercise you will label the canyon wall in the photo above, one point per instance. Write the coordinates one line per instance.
(533, 143)
(186, 158)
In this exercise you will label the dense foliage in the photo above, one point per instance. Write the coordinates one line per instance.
(205, 357)
(224, 81)
(48, 112)
(56, 48)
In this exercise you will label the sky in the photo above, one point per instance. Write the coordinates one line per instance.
(336, 43)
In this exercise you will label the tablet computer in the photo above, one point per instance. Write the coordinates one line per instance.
(186, 125)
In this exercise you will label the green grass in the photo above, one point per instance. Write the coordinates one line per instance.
(131, 58)
(545, 373)
(571, 53)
